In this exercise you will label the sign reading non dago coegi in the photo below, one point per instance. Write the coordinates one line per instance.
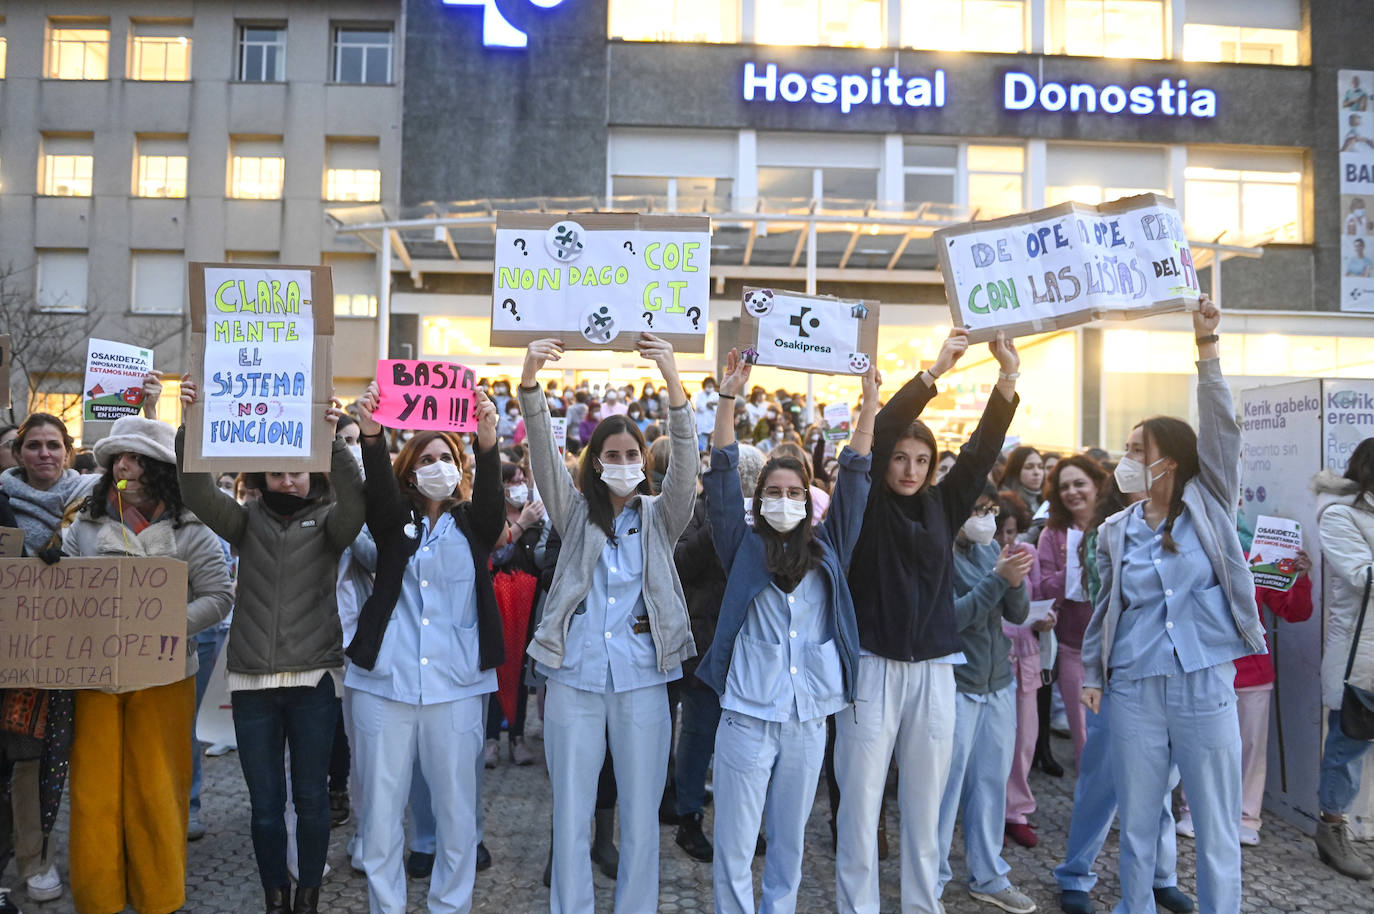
(892, 88)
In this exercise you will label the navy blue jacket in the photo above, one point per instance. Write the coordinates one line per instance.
(744, 558)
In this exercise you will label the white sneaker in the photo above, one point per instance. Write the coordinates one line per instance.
(1184, 826)
(45, 886)
(1249, 837)
(1008, 900)
(217, 749)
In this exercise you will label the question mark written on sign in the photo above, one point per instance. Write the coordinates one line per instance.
(648, 315)
(511, 302)
(520, 243)
(695, 314)
(629, 247)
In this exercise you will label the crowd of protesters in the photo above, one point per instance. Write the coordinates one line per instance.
(807, 610)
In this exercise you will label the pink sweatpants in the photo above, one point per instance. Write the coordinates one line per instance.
(1252, 706)
(1020, 800)
(1071, 689)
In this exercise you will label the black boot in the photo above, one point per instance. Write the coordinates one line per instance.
(691, 838)
(1044, 758)
(279, 901)
(307, 900)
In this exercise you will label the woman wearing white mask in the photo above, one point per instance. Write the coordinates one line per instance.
(1176, 607)
(614, 631)
(786, 648)
(426, 650)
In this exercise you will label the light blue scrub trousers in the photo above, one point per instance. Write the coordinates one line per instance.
(445, 737)
(1094, 808)
(1187, 719)
(576, 727)
(422, 822)
(984, 742)
(763, 767)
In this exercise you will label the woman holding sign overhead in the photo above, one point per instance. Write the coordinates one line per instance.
(902, 581)
(131, 773)
(285, 647)
(428, 643)
(1176, 608)
(614, 631)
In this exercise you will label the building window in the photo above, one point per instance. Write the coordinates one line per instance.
(1258, 31)
(159, 282)
(78, 52)
(1098, 174)
(262, 54)
(61, 280)
(355, 284)
(352, 171)
(713, 21)
(1244, 196)
(965, 25)
(362, 55)
(676, 194)
(1107, 28)
(836, 23)
(929, 173)
(256, 170)
(996, 180)
(160, 52)
(161, 167)
(67, 166)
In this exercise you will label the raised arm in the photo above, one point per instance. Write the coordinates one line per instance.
(387, 508)
(1218, 432)
(680, 482)
(967, 478)
(845, 518)
(346, 516)
(725, 504)
(488, 509)
(550, 474)
(199, 493)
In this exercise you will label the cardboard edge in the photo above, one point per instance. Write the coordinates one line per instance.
(866, 342)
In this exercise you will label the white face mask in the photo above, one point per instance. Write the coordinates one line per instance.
(622, 478)
(980, 529)
(437, 480)
(518, 494)
(357, 451)
(1132, 476)
(782, 513)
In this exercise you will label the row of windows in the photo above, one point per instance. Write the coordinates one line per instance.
(1236, 196)
(1261, 31)
(161, 52)
(158, 280)
(256, 171)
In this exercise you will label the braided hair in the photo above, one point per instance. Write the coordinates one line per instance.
(1175, 439)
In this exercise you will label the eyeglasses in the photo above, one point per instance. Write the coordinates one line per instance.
(793, 493)
(986, 510)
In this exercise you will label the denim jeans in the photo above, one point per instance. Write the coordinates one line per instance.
(1342, 761)
(266, 721)
(208, 644)
(700, 717)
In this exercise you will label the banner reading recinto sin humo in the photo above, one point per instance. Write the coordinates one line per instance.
(261, 351)
(1067, 265)
(597, 280)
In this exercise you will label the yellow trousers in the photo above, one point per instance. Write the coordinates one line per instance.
(130, 794)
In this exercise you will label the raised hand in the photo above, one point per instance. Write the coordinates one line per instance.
(1013, 565)
(736, 376)
(1004, 351)
(955, 345)
(486, 422)
(660, 352)
(1207, 317)
(189, 392)
(367, 405)
(531, 514)
(537, 355)
(333, 411)
(872, 383)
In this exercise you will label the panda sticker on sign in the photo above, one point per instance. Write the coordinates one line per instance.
(813, 333)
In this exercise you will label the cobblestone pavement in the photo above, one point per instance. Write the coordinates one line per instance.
(1281, 875)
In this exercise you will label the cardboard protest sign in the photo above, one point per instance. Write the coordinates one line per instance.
(815, 333)
(6, 354)
(114, 380)
(836, 419)
(426, 395)
(11, 542)
(596, 280)
(1274, 553)
(262, 354)
(1067, 265)
(92, 623)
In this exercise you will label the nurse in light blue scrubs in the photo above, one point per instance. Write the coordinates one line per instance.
(1176, 607)
(785, 651)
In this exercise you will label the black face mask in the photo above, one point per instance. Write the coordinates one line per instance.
(283, 503)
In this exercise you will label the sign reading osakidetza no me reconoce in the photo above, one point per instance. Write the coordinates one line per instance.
(1067, 265)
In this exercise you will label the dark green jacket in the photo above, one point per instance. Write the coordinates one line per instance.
(285, 616)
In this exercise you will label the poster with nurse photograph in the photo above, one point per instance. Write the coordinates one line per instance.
(815, 333)
(1066, 265)
(261, 353)
(1355, 140)
(596, 280)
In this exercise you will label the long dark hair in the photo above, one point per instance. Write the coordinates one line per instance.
(1175, 439)
(589, 480)
(1011, 473)
(158, 478)
(1360, 470)
(1059, 517)
(790, 555)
